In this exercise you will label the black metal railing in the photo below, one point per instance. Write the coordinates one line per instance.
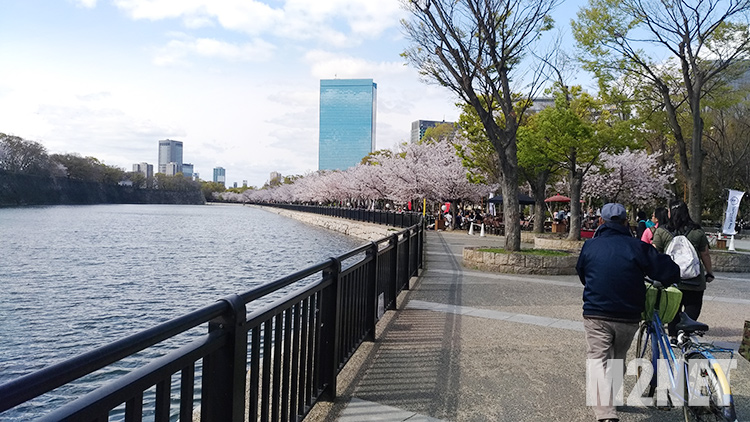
(268, 362)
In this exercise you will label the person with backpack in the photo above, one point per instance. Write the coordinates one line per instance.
(660, 217)
(680, 224)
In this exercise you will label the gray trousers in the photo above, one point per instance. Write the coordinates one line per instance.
(607, 340)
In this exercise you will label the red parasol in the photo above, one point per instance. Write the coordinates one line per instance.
(557, 198)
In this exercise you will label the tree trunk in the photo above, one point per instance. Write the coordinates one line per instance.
(511, 214)
(695, 196)
(539, 190)
(576, 181)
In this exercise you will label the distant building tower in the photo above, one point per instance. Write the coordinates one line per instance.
(244, 183)
(348, 109)
(220, 175)
(170, 152)
(171, 169)
(144, 168)
(540, 103)
(187, 170)
(420, 126)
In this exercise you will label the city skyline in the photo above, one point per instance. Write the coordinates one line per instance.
(238, 81)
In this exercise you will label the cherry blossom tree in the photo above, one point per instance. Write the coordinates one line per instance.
(422, 170)
(631, 177)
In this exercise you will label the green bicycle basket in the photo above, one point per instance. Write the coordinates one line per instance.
(669, 303)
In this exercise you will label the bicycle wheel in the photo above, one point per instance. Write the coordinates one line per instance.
(712, 384)
(644, 350)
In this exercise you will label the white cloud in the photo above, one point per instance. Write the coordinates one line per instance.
(180, 51)
(89, 4)
(340, 23)
(327, 65)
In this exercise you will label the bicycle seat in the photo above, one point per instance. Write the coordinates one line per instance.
(690, 325)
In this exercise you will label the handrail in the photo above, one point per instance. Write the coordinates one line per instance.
(286, 353)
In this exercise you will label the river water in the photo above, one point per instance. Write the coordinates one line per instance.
(73, 278)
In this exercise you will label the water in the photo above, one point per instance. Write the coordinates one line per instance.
(73, 278)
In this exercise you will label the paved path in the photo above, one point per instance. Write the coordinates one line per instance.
(475, 346)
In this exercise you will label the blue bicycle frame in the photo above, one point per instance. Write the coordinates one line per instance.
(658, 340)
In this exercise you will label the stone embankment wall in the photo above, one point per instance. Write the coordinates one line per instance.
(519, 263)
(731, 262)
(362, 230)
(19, 190)
(558, 244)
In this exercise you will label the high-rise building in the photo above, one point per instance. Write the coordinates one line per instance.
(220, 175)
(348, 109)
(420, 126)
(171, 169)
(187, 170)
(170, 152)
(144, 168)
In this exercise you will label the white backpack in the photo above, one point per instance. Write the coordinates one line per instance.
(683, 254)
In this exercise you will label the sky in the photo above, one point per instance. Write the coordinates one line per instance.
(237, 81)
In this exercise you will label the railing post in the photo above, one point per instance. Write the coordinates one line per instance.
(422, 234)
(407, 245)
(330, 331)
(394, 270)
(224, 371)
(372, 277)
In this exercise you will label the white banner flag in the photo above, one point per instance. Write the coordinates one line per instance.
(733, 205)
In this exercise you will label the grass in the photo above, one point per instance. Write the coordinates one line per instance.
(540, 252)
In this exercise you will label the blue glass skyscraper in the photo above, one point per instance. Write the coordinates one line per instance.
(347, 122)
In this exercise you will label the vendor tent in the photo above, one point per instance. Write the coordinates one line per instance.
(557, 198)
(522, 199)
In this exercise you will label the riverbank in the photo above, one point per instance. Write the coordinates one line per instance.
(359, 229)
(23, 190)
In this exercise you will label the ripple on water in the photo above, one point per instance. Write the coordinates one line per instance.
(78, 277)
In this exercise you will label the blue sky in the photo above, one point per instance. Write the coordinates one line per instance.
(236, 80)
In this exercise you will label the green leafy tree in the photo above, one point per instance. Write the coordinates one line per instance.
(208, 189)
(626, 40)
(440, 132)
(18, 155)
(574, 133)
(88, 169)
(376, 157)
(473, 48)
(137, 178)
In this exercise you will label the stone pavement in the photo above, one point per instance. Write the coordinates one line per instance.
(466, 345)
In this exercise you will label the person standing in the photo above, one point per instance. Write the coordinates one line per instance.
(612, 267)
(692, 289)
(660, 218)
(642, 226)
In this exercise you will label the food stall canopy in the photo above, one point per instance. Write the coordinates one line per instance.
(522, 199)
(557, 198)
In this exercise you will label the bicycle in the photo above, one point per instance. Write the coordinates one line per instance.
(695, 378)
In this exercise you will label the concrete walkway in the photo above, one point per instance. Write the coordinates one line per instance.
(473, 346)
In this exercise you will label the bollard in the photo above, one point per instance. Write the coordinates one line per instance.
(745, 345)
(481, 233)
(471, 228)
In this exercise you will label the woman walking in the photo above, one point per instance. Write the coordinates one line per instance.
(692, 289)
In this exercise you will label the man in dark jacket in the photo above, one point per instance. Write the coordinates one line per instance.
(612, 267)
